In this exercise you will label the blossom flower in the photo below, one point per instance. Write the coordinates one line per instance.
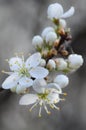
(55, 56)
(75, 61)
(46, 94)
(56, 11)
(22, 74)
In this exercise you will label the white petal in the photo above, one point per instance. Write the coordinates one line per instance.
(28, 99)
(25, 82)
(55, 11)
(20, 89)
(39, 72)
(11, 81)
(69, 13)
(55, 86)
(15, 63)
(38, 85)
(33, 60)
(53, 97)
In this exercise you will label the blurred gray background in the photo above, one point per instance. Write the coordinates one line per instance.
(20, 20)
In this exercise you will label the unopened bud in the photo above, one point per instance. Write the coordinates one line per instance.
(37, 41)
(61, 63)
(61, 80)
(51, 64)
(42, 63)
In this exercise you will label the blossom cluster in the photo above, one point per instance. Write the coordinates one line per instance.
(43, 76)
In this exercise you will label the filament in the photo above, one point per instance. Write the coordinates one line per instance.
(57, 108)
(33, 106)
(40, 109)
(47, 111)
(9, 73)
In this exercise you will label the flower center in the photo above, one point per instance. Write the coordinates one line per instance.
(43, 96)
(24, 72)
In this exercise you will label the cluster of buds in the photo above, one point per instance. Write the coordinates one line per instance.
(53, 55)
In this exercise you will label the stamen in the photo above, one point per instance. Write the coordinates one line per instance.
(17, 63)
(62, 99)
(65, 94)
(51, 106)
(47, 111)
(57, 108)
(40, 111)
(33, 106)
(9, 73)
(40, 103)
(22, 56)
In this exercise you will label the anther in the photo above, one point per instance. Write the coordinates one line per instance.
(9, 73)
(65, 94)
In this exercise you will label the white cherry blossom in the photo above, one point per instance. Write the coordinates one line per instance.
(46, 94)
(23, 71)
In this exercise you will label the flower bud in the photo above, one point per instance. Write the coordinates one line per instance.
(37, 41)
(61, 80)
(51, 37)
(61, 64)
(63, 23)
(42, 63)
(46, 31)
(51, 64)
(75, 61)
